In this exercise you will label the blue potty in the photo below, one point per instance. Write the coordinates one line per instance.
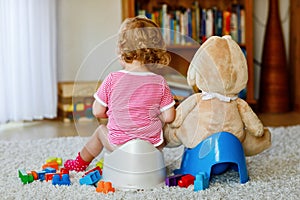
(215, 155)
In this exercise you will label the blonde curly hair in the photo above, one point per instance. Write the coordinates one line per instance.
(141, 39)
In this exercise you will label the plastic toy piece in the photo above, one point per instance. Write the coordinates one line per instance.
(25, 177)
(186, 181)
(94, 169)
(41, 175)
(173, 180)
(105, 187)
(51, 164)
(54, 159)
(35, 175)
(49, 170)
(64, 171)
(49, 176)
(100, 163)
(91, 178)
(64, 180)
(215, 155)
(201, 182)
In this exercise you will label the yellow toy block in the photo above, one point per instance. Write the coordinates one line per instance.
(100, 163)
(54, 159)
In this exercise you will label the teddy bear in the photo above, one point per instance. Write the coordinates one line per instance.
(219, 70)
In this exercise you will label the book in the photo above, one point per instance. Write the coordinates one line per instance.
(197, 20)
(243, 26)
(218, 22)
(209, 23)
(165, 24)
(226, 22)
(234, 25)
(203, 25)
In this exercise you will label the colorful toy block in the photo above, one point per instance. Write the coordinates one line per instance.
(41, 175)
(186, 181)
(25, 177)
(201, 182)
(64, 180)
(51, 164)
(100, 163)
(105, 187)
(64, 171)
(49, 170)
(91, 178)
(35, 175)
(49, 176)
(94, 169)
(54, 159)
(173, 180)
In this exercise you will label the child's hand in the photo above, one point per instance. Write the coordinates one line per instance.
(99, 110)
(168, 115)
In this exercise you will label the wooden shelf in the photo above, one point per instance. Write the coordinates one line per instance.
(182, 54)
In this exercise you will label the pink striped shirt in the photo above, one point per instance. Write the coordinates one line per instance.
(134, 101)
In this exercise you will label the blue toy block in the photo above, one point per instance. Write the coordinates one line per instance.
(25, 177)
(41, 175)
(91, 178)
(49, 170)
(201, 182)
(64, 180)
(215, 155)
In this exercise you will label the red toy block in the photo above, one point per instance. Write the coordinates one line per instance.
(186, 181)
(64, 171)
(173, 180)
(51, 164)
(94, 169)
(105, 187)
(49, 176)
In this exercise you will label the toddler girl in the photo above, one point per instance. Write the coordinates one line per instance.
(136, 101)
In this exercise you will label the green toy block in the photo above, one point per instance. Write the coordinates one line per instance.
(25, 177)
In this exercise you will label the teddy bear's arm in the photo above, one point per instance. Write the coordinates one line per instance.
(170, 136)
(184, 109)
(251, 121)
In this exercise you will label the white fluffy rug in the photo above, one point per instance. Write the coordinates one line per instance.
(274, 174)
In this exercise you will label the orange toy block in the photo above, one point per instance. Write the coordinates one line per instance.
(35, 175)
(105, 187)
(51, 164)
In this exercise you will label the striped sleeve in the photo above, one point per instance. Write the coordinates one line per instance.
(102, 94)
(167, 100)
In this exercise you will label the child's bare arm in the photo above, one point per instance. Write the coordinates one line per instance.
(168, 115)
(99, 110)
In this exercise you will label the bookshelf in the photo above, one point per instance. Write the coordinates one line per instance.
(182, 53)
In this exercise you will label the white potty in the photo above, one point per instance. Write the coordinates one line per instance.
(134, 165)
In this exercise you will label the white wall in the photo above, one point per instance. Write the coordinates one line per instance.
(260, 16)
(83, 26)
